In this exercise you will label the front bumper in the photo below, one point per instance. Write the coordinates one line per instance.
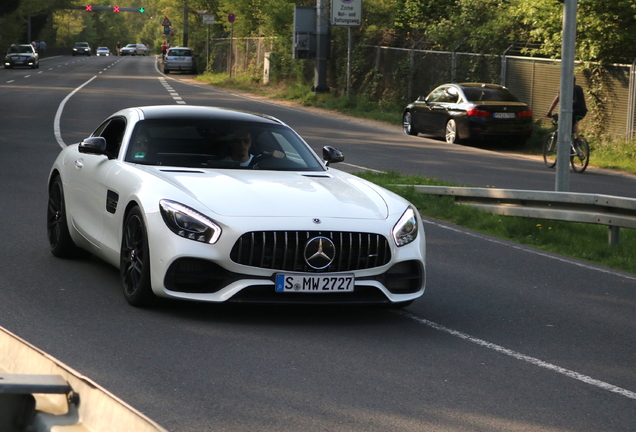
(190, 270)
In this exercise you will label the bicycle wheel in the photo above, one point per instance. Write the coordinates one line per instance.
(550, 150)
(580, 156)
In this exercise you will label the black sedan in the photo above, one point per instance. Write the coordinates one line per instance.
(21, 55)
(469, 111)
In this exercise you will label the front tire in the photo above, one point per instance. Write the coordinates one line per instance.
(451, 132)
(134, 258)
(60, 241)
(407, 124)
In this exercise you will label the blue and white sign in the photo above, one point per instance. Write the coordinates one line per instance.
(346, 13)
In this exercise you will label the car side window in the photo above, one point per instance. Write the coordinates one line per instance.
(436, 95)
(113, 131)
(449, 95)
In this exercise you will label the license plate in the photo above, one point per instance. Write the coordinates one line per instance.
(502, 115)
(314, 283)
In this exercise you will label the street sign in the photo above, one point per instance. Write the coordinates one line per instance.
(166, 30)
(166, 22)
(346, 13)
(231, 18)
(208, 19)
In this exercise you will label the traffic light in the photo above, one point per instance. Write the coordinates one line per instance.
(116, 9)
(142, 9)
(88, 8)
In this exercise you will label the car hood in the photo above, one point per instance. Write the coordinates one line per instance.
(21, 55)
(275, 193)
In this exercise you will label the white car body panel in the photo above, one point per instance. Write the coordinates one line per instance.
(238, 201)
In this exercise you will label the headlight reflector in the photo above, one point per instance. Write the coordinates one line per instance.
(189, 223)
(405, 230)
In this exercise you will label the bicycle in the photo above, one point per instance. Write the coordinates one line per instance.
(579, 150)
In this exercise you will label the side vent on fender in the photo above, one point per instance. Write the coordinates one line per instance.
(112, 198)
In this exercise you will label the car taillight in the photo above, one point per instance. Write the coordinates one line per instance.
(476, 112)
(526, 113)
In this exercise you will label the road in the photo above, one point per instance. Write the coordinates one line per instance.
(506, 338)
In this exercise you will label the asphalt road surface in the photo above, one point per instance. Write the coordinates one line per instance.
(506, 338)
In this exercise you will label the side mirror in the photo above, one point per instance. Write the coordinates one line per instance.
(422, 98)
(332, 155)
(93, 145)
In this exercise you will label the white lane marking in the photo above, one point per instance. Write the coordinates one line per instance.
(58, 114)
(362, 168)
(585, 265)
(569, 373)
(172, 92)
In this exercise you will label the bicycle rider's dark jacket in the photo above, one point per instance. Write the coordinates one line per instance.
(579, 108)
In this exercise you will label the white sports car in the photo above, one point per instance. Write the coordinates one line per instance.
(216, 205)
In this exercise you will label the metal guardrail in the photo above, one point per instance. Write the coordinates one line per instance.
(612, 211)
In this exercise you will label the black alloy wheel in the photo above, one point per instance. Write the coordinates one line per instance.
(135, 261)
(60, 240)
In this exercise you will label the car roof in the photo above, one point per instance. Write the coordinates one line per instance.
(480, 85)
(154, 112)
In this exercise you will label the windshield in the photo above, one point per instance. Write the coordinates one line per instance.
(198, 143)
(20, 49)
(180, 52)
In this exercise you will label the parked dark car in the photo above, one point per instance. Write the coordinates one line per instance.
(21, 55)
(82, 48)
(469, 111)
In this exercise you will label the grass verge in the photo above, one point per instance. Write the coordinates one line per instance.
(582, 241)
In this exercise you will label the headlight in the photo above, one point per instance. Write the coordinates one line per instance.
(405, 230)
(188, 223)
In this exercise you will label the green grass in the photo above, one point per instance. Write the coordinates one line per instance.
(582, 241)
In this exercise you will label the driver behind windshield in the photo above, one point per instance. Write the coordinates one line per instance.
(240, 148)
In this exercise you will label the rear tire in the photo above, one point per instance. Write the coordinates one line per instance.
(134, 269)
(451, 132)
(581, 158)
(550, 149)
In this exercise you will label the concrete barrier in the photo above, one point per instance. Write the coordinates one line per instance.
(92, 409)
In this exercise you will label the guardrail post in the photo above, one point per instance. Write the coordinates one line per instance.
(614, 235)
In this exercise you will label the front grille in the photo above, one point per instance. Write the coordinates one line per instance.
(284, 250)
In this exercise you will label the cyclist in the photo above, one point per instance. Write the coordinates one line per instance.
(579, 108)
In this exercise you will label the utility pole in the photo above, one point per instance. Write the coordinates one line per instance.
(566, 95)
(185, 24)
(322, 46)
